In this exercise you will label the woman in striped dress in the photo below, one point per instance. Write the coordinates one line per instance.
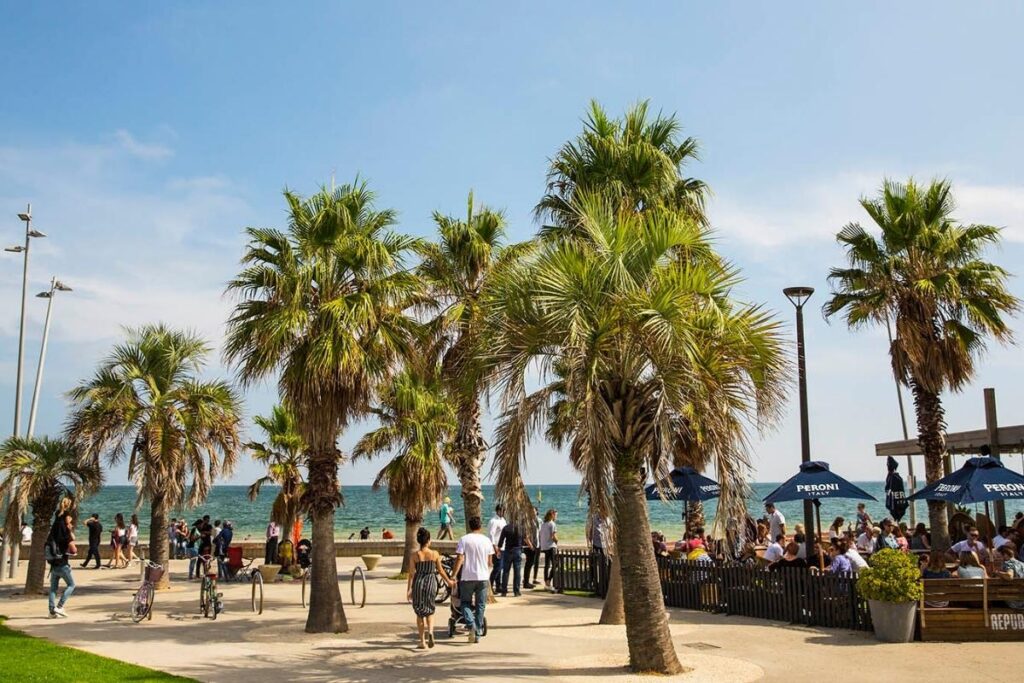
(423, 571)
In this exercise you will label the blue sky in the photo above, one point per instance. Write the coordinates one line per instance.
(148, 138)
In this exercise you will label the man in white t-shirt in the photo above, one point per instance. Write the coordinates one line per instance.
(971, 544)
(776, 521)
(494, 528)
(475, 557)
(775, 551)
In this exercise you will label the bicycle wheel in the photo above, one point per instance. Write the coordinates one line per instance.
(214, 601)
(362, 578)
(149, 602)
(140, 603)
(204, 597)
(257, 592)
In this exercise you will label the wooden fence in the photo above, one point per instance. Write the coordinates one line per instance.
(789, 594)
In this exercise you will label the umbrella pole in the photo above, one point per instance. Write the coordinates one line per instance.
(821, 539)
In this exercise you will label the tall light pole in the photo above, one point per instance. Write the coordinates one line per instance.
(12, 547)
(798, 296)
(55, 286)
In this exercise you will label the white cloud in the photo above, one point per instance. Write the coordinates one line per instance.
(815, 210)
(142, 150)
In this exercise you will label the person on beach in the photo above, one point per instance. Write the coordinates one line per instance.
(95, 538)
(548, 545)
(364, 533)
(172, 537)
(26, 533)
(475, 556)
(446, 516)
(864, 521)
(424, 570)
(181, 538)
(776, 521)
(494, 528)
(60, 545)
(273, 538)
(132, 538)
(118, 536)
(387, 534)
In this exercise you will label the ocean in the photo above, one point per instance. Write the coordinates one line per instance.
(366, 507)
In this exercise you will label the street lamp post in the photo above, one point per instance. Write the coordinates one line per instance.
(12, 547)
(55, 286)
(798, 296)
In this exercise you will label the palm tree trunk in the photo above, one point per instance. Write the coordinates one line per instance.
(469, 449)
(412, 525)
(694, 515)
(613, 611)
(326, 610)
(42, 517)
(931, 422)
(158, 542)
(647, 633)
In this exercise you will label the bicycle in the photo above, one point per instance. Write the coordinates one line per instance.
(209, 598)
(239, 571)
(142, 600)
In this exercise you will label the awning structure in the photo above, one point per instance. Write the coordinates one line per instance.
(1010, 440)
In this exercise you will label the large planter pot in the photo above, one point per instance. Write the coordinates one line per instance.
(371, 561)
(893, 621)
(269, 572)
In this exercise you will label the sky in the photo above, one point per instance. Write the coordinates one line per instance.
(147, 137)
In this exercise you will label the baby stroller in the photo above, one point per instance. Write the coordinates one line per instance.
(455, 606)
(304, 553)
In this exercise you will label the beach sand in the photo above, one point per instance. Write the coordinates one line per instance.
(537, 636)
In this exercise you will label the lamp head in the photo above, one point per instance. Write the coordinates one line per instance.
(25, 216)
(61, 286)
(798, 295)
(16, 249)
(36, 233)
(43, 295)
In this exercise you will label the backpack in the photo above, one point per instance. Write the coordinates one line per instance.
(50, 551)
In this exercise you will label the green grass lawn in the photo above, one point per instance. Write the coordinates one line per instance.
(25, 658)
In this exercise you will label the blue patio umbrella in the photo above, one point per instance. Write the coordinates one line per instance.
(813, 482)
(978, 481)
(686, 484)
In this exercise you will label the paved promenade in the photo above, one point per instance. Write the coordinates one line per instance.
(538, 636)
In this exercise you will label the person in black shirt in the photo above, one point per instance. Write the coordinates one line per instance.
(790, 558)
(95, 536)
(510, 542)
(59, 544)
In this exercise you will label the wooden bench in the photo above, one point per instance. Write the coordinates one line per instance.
(976, 610)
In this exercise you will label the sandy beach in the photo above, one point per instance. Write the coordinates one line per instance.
(537, 636)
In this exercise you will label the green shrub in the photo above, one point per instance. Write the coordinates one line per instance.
(891, 577)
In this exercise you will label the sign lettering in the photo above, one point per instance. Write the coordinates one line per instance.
(1006, 622)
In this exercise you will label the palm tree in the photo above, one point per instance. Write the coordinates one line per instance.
(645, 348)
(926, 273)
(281, 454)
(638, 160)
(178, 432)
(322, 308)
(417, 420)
(50, 475)
(455, 270)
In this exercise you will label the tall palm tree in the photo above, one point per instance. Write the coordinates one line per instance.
(637, 160)
(649, 348)
(321, 307)
(455, 270)
(926, 272)
(48, 475)
(178, 432)
(417, 421)
(281, 454)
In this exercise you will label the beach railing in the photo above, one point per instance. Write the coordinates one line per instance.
(788, 594)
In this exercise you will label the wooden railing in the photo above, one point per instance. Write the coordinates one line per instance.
(789, 594)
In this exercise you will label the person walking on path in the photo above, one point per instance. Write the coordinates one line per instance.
(532, 551)
(132, 539)
(95, 538)
(59, 546)
(273, 538)
(510, 544)
(424, 570)
(494, 528)
(548, 545)
(117, 540)
(475, 556)
(447, 518)
(222, 542)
